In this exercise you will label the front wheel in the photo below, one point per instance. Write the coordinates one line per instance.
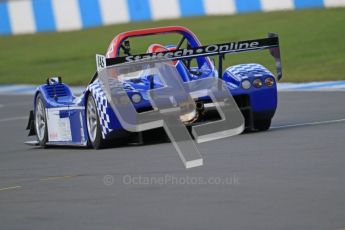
(41, 122)
(262, 124)
(93, 124)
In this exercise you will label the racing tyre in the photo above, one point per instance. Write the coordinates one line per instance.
(262, 124)
(93, 124)
(41, 122)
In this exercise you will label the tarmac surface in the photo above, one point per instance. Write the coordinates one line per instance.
(290, 177)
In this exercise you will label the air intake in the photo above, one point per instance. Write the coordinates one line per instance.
(58, 90)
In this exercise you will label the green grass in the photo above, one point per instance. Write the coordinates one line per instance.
(312, 45)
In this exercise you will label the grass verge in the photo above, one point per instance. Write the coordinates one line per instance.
(312, 45)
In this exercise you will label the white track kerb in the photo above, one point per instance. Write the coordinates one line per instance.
(33, 16)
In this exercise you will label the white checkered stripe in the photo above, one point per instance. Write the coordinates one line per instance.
(102, 105)
(256, 69)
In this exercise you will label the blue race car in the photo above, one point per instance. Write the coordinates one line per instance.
(61, 118)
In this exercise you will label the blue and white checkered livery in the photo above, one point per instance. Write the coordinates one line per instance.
(102, 106)
(242, 70)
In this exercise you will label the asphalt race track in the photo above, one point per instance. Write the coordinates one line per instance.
(291, 177)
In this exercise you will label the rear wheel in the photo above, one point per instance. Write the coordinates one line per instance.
(262, 124)
(41, 122)
(93, 124)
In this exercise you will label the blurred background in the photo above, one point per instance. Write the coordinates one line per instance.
(41, 38)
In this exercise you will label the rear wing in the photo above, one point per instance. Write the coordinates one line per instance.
(271, 43)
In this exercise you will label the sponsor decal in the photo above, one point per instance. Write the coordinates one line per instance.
(209, 50)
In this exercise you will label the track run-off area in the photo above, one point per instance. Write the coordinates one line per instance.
(290, 177)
